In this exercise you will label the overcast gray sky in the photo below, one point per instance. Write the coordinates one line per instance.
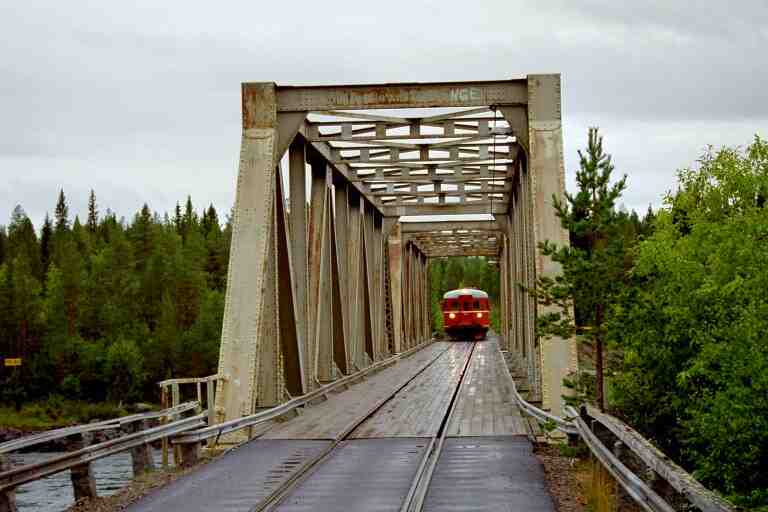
(140, 100)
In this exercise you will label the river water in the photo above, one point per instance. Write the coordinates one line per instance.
(54, 493)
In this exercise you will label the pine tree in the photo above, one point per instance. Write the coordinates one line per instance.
(93, 213)
(177, 219)
(593, 269)
(3, 244)
(61, 214)
(46, 244)
(22, 241)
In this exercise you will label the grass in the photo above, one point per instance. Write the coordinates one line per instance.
(57, 412)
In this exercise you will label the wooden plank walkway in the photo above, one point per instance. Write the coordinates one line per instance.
(419, 408)
(486, 404)
(328, 419)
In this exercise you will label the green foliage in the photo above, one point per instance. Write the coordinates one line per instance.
(577, 451)
(103, 311)
(55, 411)
(124, 365)
(694, 326)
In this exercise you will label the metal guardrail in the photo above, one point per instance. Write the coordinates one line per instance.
(115, 423)
(561, 424)
(640, 492)
(215, 431)
(24, 474)
(681, 481)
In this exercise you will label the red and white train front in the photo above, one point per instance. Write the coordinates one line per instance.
(466, 313)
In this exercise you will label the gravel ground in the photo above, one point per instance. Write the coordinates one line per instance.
(563, 476)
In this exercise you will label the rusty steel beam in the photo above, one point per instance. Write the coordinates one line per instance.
(414, 95)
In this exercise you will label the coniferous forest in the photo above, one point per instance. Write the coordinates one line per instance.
(101, 309)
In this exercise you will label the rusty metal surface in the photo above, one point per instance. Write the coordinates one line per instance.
(373, 96)
(236, 481)
(360, 475)
(496, 473)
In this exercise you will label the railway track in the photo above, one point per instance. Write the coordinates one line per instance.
(346, 457)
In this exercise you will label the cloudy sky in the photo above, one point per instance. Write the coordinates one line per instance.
(140, 100)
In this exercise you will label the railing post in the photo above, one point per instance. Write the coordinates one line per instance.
(7, 496)
(176, 397)
(83, 482)
(163, 420)
(141, 456)
(190, 454)
(210, 403)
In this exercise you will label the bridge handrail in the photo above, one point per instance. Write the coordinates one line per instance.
(275, 412)
(680, 480)
(24, 474)
(113, 423)
(643, 495)
(190, 380)
(563, 425)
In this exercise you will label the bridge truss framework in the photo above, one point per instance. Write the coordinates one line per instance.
(323, 277)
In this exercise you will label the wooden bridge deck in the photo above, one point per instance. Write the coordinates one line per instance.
(328, 419)
(485, 405)
(361, 449)
(418, 409)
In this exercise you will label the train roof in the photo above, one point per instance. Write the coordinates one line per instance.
(454, 294)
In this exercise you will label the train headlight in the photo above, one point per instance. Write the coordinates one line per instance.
(451, 315)
(479, 315)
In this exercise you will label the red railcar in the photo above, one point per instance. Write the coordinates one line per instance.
(466, 313)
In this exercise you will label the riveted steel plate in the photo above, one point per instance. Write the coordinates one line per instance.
(497, 473)
(360, 475)
(236, 481)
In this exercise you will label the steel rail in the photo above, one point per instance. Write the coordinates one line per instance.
(563, 425)
(414, 500)
(25, 474)
(275, 412)
(114, 423)
(307, 469)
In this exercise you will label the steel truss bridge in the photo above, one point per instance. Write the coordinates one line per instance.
(324, 278)
(330, 391)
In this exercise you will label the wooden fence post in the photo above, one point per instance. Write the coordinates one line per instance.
(141, 456)
(210, 403)
(175, 396)
(163, 420)
(7, 496)
(83, 482)
(190, 454)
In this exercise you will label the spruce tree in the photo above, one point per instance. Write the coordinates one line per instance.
(46, 244)
(61, 214)
(594, 267)
(93, 213)
(3, 244)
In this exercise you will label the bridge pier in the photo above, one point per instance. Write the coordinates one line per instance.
(83, 481)
(7, 496)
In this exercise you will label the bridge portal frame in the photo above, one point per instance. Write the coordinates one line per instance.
(318, 291)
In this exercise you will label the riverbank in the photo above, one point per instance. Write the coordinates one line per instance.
(58, 413)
